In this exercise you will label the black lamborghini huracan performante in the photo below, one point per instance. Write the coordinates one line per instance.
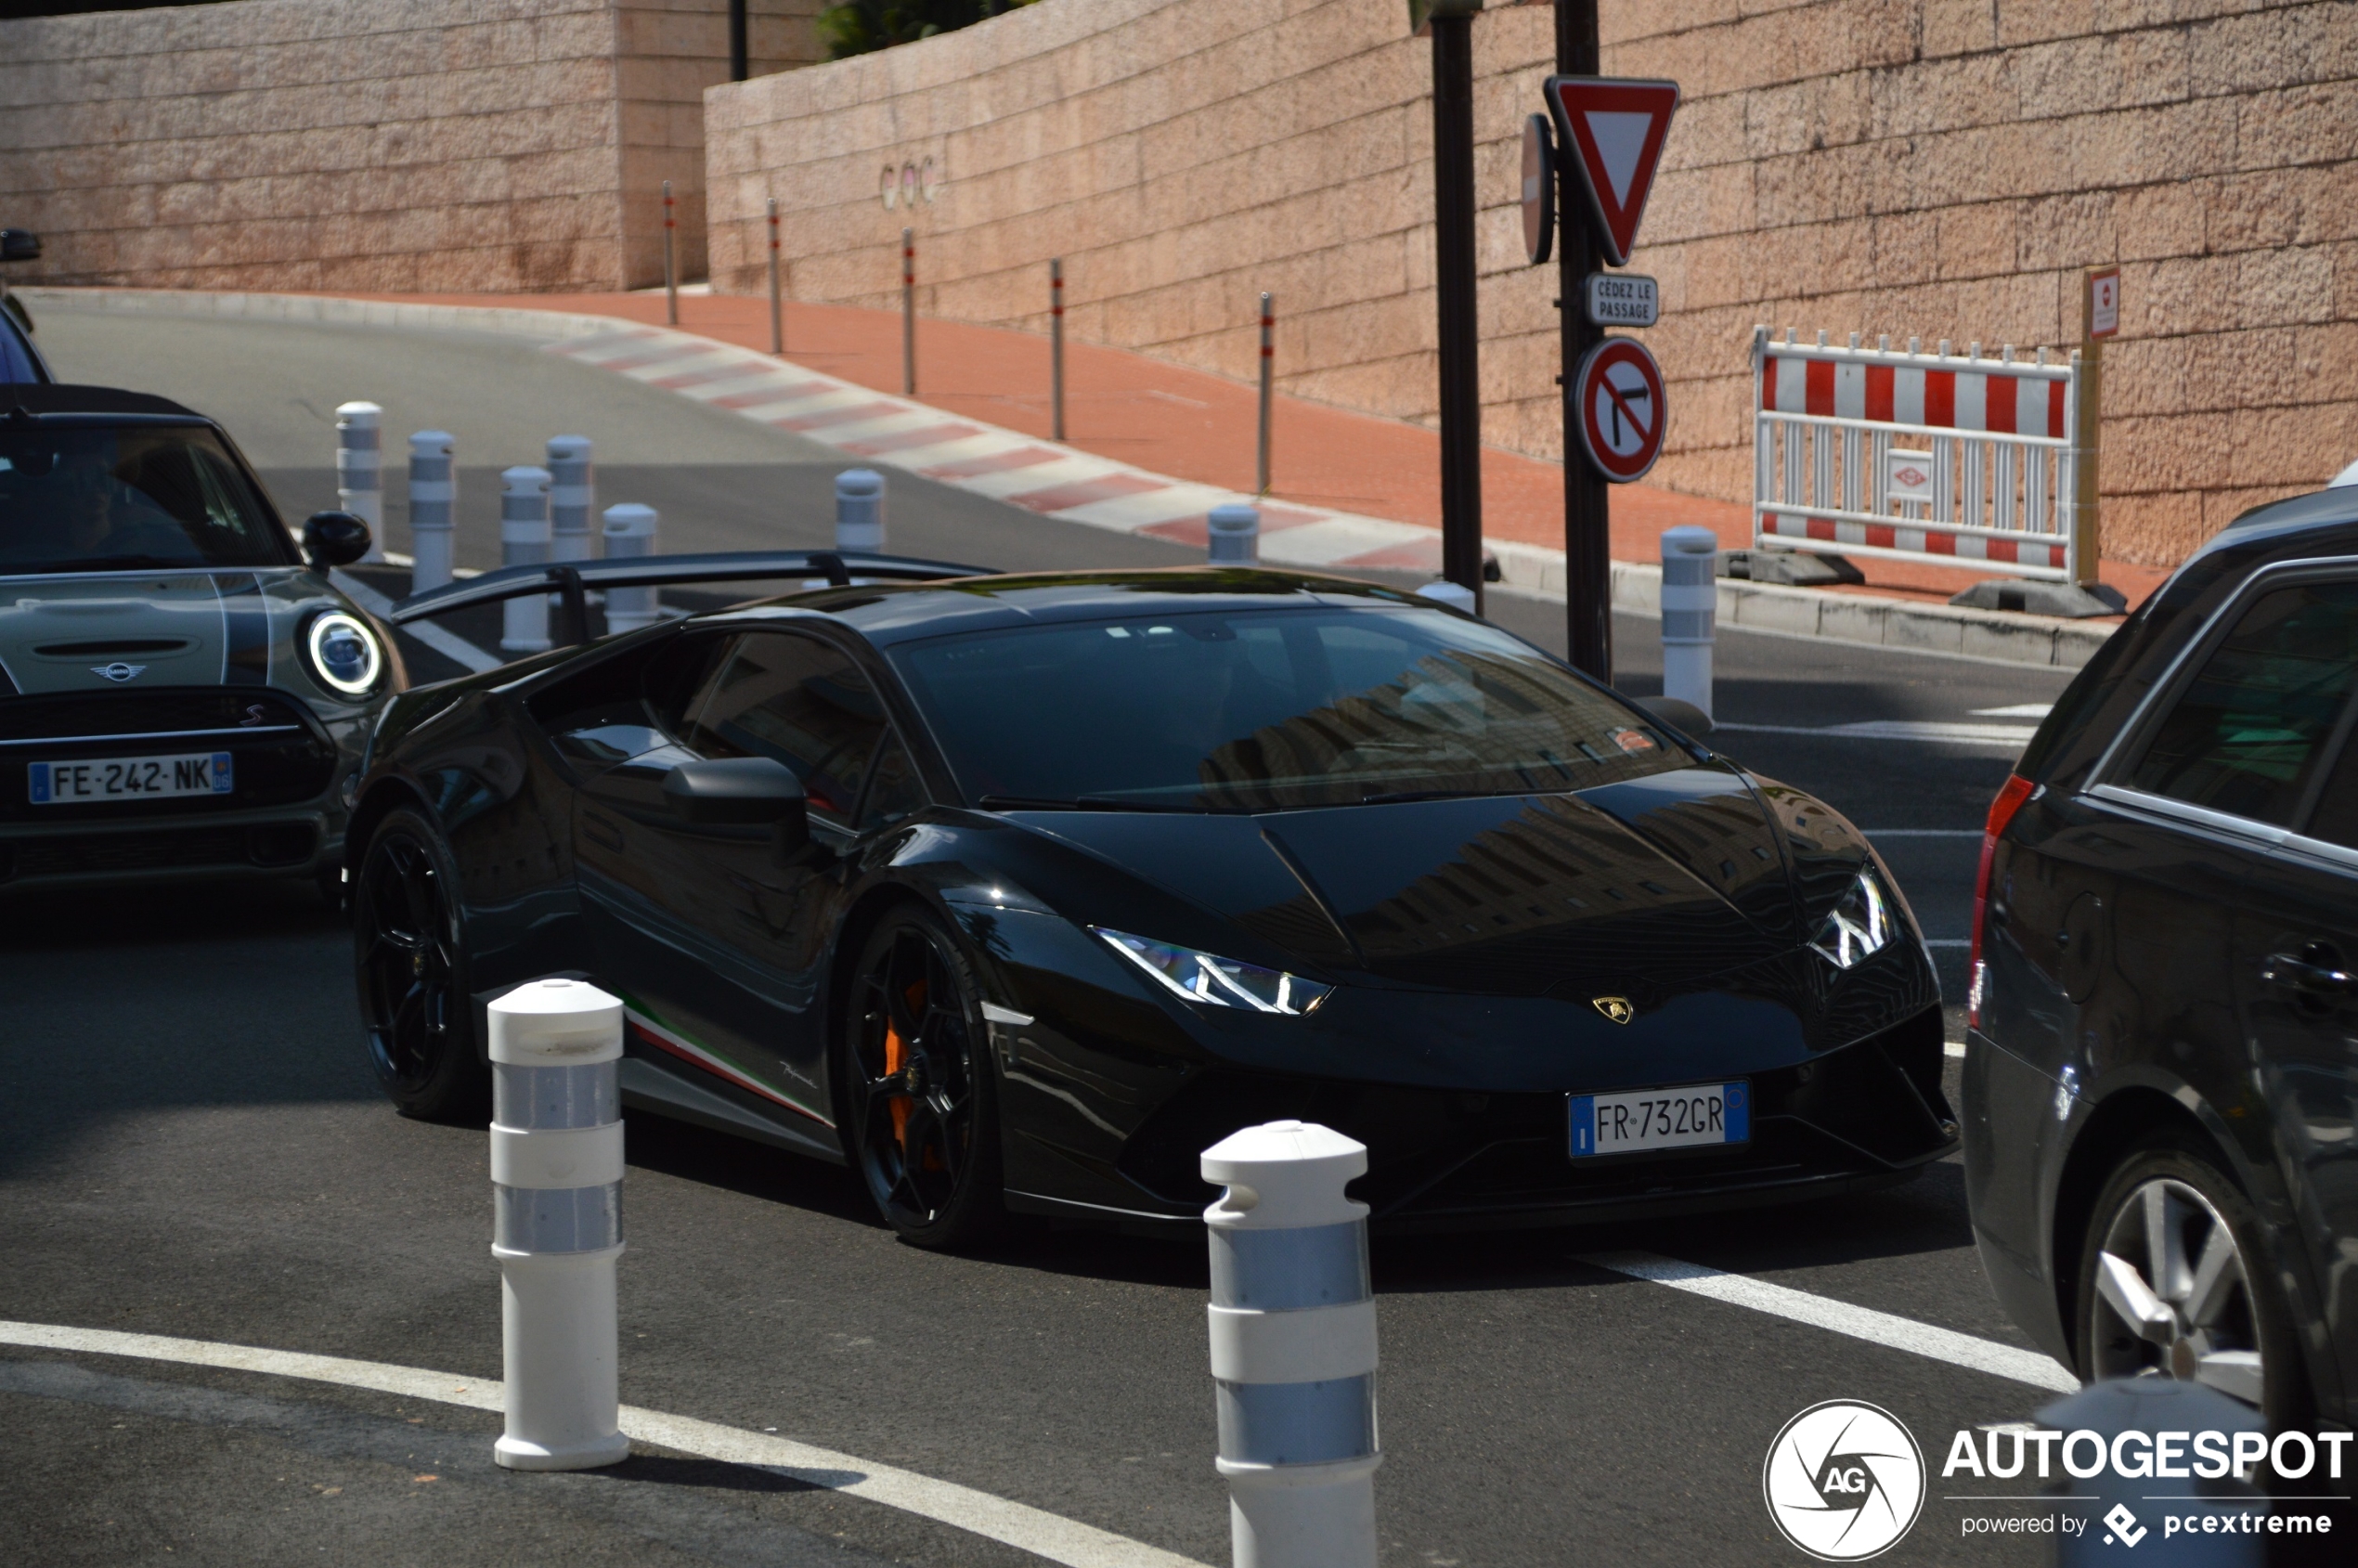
(1018, 892)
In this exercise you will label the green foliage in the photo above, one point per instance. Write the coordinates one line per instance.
(859, 27)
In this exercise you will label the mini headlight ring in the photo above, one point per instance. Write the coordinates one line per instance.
(343, 653)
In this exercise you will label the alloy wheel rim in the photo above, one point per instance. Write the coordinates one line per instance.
(914, 1079)
(2174, 1295)
(406, 963)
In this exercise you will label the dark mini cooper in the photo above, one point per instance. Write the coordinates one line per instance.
(182, 691)
(1016, 892)
(2161, 1072)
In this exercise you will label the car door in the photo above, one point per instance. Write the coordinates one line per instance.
(2247, 763)
(716, 935)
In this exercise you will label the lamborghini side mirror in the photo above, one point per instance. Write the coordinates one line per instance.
(1679, 713)
(334, 538)
(741, 792)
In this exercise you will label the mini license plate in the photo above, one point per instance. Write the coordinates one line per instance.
(1684, 1117)
(130, 778)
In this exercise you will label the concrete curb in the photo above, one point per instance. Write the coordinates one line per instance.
(2001, 636)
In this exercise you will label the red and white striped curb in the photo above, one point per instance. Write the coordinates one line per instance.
(1040, 476)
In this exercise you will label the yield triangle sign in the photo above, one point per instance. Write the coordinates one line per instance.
(1613, 131)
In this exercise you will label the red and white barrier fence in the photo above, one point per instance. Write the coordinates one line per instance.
(1876, 451)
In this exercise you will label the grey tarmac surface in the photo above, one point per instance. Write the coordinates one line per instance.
(190, 1144)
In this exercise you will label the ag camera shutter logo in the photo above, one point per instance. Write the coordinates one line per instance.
(1844, 1481)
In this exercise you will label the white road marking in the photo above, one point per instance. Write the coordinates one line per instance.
(1841, 1317)
(1016, 1525)
(1954, 1048)
(1932, 730)
(449, 645)
(2017, 710)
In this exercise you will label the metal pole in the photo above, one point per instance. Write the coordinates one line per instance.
(2089, 437)
(1454, 278)
(1057, 347)
(1268, 369)
(909, 313)
(777, 309)
(670, 276)
(740, 66)
(1587, 516)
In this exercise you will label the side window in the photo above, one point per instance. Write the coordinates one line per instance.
(2247, 735)
(2335, 818)
(800, 701)
(896, 791)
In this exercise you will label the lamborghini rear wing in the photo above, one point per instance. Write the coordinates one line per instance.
(571, 580)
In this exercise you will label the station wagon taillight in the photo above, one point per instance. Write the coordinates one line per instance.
(2002, 811)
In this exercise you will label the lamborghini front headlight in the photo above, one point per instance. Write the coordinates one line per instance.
(1210, 981)
(1864, 924)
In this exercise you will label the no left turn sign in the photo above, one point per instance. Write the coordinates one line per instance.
(1622, 409)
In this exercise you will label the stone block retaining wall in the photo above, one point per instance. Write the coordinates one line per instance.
(1940, 168)
(433, 145)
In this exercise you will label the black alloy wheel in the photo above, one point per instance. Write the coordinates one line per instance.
(411, 972)
(920, 1102)
(2173, 1284)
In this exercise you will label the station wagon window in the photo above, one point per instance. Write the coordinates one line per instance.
(798, 701)
(2246, 736)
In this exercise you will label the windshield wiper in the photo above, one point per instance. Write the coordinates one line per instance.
(1077, 803)
(105, 564)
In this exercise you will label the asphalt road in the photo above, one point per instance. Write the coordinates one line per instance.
(190, 1144)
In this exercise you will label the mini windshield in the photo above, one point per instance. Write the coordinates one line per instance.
(94, 499)
(1268, 709)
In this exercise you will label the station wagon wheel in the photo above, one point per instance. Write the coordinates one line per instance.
(411, 973)
(2173, 1285)
(918, 1089)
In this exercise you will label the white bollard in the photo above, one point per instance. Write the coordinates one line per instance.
(1457, 596)
(860, 509)
(556, 1174)
(1689, 606)
(433, 505)
(573, 492)
(524, 542)
(360, 482)
(630, 531)
(1233, 535)
(1294, 1346)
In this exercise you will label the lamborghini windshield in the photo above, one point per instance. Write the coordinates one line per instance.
(96, 498)
(1268, 709)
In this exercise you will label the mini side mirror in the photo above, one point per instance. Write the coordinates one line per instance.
(741, 792)
(1679, 713)
(334, 538)
(19, 244)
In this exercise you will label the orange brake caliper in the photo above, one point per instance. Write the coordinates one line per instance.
(894, 1052)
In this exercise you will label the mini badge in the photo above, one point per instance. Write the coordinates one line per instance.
(1617, 1008)
(118, 671)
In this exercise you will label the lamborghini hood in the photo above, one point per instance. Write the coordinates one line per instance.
(1653, 884)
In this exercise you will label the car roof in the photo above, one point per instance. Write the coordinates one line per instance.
(38, 399)
(890, 613)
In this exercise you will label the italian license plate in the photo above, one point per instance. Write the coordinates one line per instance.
(1685, 1117)
(130, 778)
